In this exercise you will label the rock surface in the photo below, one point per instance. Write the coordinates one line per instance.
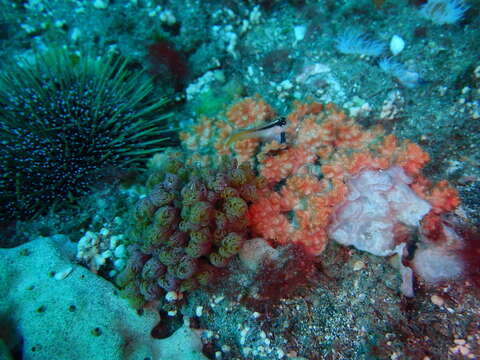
(59, 314)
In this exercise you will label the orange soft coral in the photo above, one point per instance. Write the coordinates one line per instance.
(307, 176)
(246, 149)
(267, 215)
(199, 135)
(443, 197)
(412, 158)
(212, 133)
(325, 135)
(365, 159)
(286, 163)
(250, 111)
(304, 185)
(432, 227)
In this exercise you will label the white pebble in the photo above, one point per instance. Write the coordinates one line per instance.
(397, 44)
(437, 300)
(286, 84)
(119, 264)
(219, 299)
(172, 296)
(100, 4)
(59, 23)
(299, 32)
(358, 265)
(246, 351)
(120, 251)
(75, 34)
(167, 17)
(199, 311)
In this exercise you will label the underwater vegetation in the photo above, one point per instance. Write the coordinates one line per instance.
(284, 226)
(164, 59)
(331, 179)
(264, 230)
(65, 119)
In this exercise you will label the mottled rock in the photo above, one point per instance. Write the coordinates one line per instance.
(79, 316)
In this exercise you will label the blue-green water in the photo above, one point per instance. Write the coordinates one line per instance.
(173, 184)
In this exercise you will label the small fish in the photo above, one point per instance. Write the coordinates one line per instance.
(272, 131)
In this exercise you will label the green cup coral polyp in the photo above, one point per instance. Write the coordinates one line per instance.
(192, 222)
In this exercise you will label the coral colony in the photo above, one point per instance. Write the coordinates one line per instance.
(333, 179)
(329, 179)
(192, 223)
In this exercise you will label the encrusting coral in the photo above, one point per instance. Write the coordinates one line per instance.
(191, 223)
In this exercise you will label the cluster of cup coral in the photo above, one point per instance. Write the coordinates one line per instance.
(191, 223)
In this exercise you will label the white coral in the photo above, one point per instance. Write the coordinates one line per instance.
(91, 251)
(96, 249)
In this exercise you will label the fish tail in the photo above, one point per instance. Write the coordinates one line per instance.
(236, 137)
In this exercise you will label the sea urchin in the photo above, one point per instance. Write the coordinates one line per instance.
(64, 119)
